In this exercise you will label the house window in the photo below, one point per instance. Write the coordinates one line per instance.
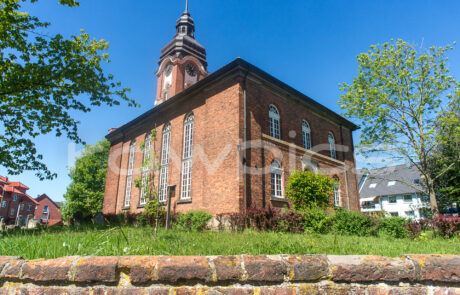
(410, 213)
(45, 214)
(336, 188)
(394, 214)
(29, 207)
(306, 135)
(392, 200)
(407, 198)
(129, 178)
(4, 203)
(276, 182)
(274, 117)
(12, 212)
(331, 140)
(21, 207)
(164, 163)
(145, 170)
(187, 158)
(15, 198)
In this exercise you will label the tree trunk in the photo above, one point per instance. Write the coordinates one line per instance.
(433, 202)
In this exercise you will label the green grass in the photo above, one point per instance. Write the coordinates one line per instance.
(140, 241)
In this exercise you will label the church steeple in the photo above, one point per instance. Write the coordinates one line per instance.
(182, 61)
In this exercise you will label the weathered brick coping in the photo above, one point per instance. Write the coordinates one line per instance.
(295, 274)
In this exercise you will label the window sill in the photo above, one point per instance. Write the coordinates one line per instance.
(272, 198)
(125, 208)
(184, 201)
(140, 206)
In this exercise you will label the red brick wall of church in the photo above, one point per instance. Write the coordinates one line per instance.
(216, 131)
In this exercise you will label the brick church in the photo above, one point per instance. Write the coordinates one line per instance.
(226, 140)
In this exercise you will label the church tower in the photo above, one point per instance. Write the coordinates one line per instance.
(182, 61)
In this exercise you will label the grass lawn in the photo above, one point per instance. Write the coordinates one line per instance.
(117, 241)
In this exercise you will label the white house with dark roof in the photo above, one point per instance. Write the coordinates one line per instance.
(396, 190)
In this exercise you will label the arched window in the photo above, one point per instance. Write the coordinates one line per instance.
(336, 187)
(274, 116)
(276, 182)
(145, 169)
(129, 178)
(331, 140)
(165, 142)
(187, 158)
(306, 135)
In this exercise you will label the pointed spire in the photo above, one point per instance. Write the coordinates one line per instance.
(186, 6)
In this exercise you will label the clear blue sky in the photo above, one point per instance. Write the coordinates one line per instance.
(311, 45)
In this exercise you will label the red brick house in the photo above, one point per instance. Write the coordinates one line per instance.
(228, 140)
(47, 211)
(15, 204)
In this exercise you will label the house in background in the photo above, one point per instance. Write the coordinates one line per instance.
(396, 190)
(16, 206)
(47, 211)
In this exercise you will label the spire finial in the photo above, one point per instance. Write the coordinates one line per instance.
(186, 6)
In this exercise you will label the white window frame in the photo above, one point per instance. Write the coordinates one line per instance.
(12, 211)
(129, 177)
(165, 145)
(15, 197)
(4, 204)
(306, 135)
(21, 207)
(30, 207)
(186, 186)
(331, 140)
(145, 169)
(274, 117)
(46, 211)
(276, 179)
(336, 189)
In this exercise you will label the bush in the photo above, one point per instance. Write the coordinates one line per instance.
(317, 220)
(290, 221)
(263, 218)
(446, 225)
(192, 220)
(395, 227)
(354, 223)
(306, 189)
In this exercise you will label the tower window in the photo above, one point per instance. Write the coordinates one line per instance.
(164, 163)
(276, 182)
(274, 117)
(331, 140)
(145, 170)
(336, 188)
(306, 135)
(187, 158)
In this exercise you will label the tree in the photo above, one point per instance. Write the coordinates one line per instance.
(42, 79)
(399, 94)
(306, 189)
(447, 185)
(85, 193)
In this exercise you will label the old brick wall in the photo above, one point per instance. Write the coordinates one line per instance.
(240, 274)
(292, 112)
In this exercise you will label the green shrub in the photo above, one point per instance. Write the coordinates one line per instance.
(306, 189)
(394, 227)
(354, 223)
(192, 220)
(142, 219)
(317, 220)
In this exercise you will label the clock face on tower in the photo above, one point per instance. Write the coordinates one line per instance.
(191, 70)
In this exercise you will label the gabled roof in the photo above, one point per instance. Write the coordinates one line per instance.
(394, 180)
(45, 196)
(242, 68)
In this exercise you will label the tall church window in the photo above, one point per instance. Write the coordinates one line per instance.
(186, 187)
(129, 178)
(145, 169)
(336, 188)
(306, 135)
(331, 140)
(276, 182)
(274, 117)
(164, 163)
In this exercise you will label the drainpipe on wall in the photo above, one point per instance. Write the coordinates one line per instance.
(17, 213)
(245, 200)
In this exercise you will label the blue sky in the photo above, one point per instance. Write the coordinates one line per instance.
(309, 44)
